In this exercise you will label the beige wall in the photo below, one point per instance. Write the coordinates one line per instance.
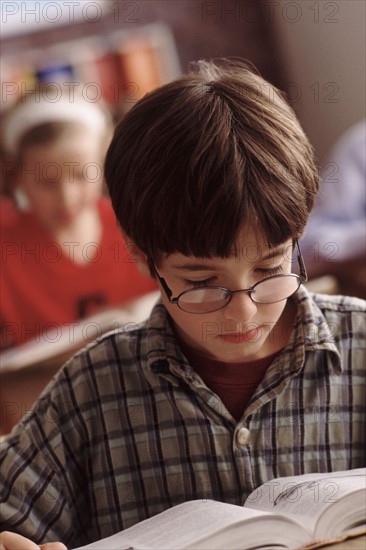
(323, 45)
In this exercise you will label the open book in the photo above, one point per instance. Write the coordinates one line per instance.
(288, 512)
(58, 345)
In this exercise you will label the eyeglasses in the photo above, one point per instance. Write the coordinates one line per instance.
(207, 299)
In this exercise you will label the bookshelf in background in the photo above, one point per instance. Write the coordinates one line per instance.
(118, 68)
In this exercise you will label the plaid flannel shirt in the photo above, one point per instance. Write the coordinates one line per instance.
(127, 428)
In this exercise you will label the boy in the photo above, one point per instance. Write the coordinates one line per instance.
(239, 375)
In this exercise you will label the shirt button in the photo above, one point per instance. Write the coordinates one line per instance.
(243, 436)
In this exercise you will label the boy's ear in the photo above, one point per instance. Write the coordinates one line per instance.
(137, 256)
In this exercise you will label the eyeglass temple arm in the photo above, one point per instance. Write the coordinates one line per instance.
(166, 289)
(303, 272)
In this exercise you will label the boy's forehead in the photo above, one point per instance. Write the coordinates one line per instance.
(252, 244)
(250, 247)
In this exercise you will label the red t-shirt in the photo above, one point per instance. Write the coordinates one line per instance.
(234, 383)
(41, 287)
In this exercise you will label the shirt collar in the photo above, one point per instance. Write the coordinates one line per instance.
(164, 355)
(311, 331)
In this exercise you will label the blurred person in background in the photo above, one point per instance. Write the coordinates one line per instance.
(335, 238)
(63, 257)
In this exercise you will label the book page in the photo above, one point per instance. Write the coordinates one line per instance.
(310, 496)
(183, 526)
(61, 343)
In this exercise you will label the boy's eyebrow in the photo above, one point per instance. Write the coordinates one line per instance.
(207, 267)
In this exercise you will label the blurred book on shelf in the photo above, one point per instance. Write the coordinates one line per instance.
(119, 67)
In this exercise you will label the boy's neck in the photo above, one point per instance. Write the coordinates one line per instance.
(234, 383)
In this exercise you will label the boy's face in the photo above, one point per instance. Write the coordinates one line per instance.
(62, 179)
(242, 330)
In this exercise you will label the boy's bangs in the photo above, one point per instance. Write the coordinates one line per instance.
(219, 205)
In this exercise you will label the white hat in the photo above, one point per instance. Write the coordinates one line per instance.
(37, 109)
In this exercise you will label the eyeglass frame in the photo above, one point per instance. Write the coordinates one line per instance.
(303, 277)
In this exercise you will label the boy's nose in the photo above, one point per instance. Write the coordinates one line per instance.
(240, 308)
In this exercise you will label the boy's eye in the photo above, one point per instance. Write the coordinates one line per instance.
(199, 284)
(264, 271)
(270, 271)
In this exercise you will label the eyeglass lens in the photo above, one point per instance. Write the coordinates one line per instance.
(274, 289)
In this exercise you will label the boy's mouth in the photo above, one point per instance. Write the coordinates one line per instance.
(240, 337)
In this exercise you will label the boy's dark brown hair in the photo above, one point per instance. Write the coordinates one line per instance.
(198, 159)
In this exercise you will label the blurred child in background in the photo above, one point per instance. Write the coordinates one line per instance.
(63, 257)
